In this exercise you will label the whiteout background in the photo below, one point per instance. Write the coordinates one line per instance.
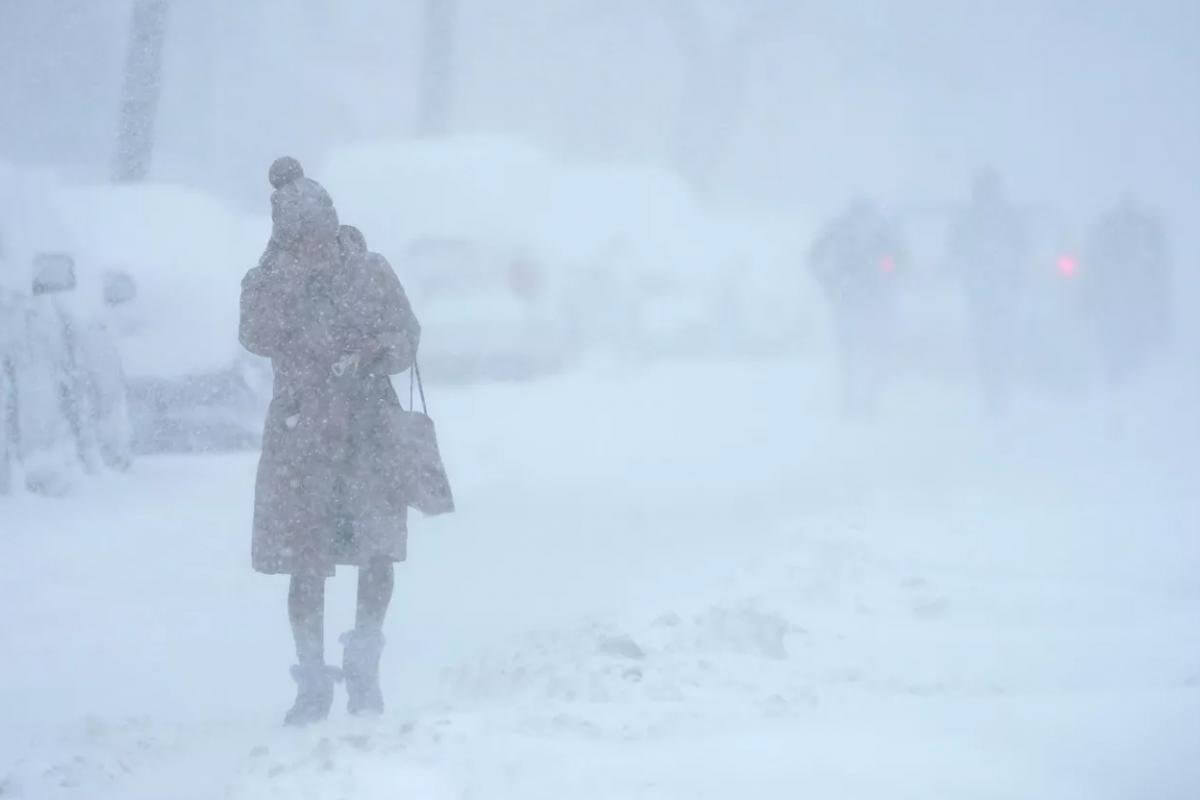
(668, 577)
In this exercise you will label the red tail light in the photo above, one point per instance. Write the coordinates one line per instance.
(1067, 266)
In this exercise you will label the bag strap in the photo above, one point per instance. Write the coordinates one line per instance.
(414, 379)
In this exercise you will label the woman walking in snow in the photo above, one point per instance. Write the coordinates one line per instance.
(335, 322)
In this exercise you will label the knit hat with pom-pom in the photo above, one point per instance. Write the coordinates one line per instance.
(283, 171)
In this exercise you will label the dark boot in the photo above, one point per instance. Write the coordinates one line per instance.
(360, 666)
(314, 693)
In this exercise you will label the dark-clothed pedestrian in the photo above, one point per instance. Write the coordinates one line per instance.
(335, 322)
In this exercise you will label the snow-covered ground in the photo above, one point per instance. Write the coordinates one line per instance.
(679, 581)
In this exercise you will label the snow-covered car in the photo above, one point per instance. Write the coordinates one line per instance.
(484, 313)
(173, 259)
(62, 392)
(649, 271)
(625, 259)
(458, 221)
(54, 408)
(644, 260)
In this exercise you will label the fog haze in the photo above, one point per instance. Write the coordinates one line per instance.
(815, 386)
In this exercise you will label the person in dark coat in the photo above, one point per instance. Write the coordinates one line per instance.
(855, 260)
(1127, 289)
(335, 322)
(989, 249)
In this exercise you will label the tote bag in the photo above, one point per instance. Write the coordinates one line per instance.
(422, 475)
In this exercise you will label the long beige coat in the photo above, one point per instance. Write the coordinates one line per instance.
(335, 327)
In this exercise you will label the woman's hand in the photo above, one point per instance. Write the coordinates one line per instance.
(388, 353)
(346, 365)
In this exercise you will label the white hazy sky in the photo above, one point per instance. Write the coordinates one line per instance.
(1075, 100)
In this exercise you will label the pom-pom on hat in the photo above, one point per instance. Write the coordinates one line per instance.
(283, 171)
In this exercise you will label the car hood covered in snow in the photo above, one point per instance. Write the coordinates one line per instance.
(187, 253)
